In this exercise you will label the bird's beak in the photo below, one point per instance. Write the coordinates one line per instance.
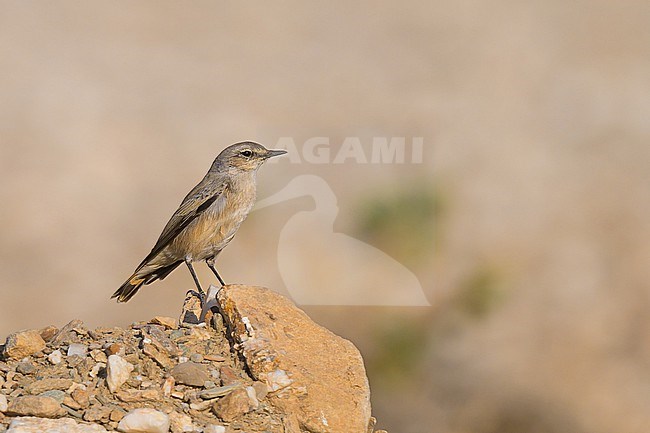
(272, 153)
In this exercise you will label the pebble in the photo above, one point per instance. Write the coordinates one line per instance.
(180, 422)
(144, 421)
(3, 403)
(55, 357)
(43, 385)
(190, 373)
(35, 405)
(118, 371)
(56, 394)
(167, 322)
(77, 349)
(40, 425)
(278, 379)
(213, 428)
(23, 343)
(25, 367)
(234, 405)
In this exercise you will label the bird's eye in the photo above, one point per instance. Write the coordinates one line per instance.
(246, 153)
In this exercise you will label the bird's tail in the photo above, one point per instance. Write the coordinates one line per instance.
(129, 288)
(140, 278)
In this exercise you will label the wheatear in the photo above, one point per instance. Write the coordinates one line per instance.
(207, 219)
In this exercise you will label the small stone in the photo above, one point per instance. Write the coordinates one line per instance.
(190, 373)
(168, 386)
(71, 403)
(82, 397)
(55, 357)
(252, 397)
(191, 309)
(261, 390)
(99, 356)
(22, 344)
(69, 333)
(25, 367)
(43, 385)
(196, 357)
(35, 405)
(56, 394)
(77, 349)
(200, 333)
(115, 349)
(117, 414)
(118, 371)
(167, 322)
(228, 376)
(63, 425)
(211, 393)
(97, 413)
(3, 403)
(217, 358)
(278, 379)
(180, 422)
(144, 421)
(214, 428)
(137, 395)
(48, 333)
(233, 405)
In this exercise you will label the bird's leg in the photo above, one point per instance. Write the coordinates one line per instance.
(188, 262)
(210, 263)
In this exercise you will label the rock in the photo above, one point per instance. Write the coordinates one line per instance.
(261, 390)
(55, 357)
(81, 397)
(25, 367)
(190, 373)
(191, 309)
(180, 422)
(311, 372)
(56, 394)
(118, 371)
(234, 405)
(144, 421)
(117, 414)
(136, 395)
(69, 333)
(228, 376)
(22, 344)
(98, 413)
(3, 403)
(48, 333)
(43, 385)
(77, 349)
(40, 425)
(115, 349)
(213, 428)
(167, 322)
(35, 405)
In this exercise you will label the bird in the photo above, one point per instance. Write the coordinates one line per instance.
(206, 220)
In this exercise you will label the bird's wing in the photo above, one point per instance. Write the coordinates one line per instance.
(197, 201)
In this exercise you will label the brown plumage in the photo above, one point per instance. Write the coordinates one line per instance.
(207, 218)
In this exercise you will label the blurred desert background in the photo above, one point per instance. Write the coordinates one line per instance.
(527, 223)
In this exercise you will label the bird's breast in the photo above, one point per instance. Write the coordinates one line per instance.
(211, 231)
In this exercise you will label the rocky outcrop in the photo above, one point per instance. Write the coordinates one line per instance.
(313, 375)
(257, 364)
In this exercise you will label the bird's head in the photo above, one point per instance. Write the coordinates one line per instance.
(244, 156)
